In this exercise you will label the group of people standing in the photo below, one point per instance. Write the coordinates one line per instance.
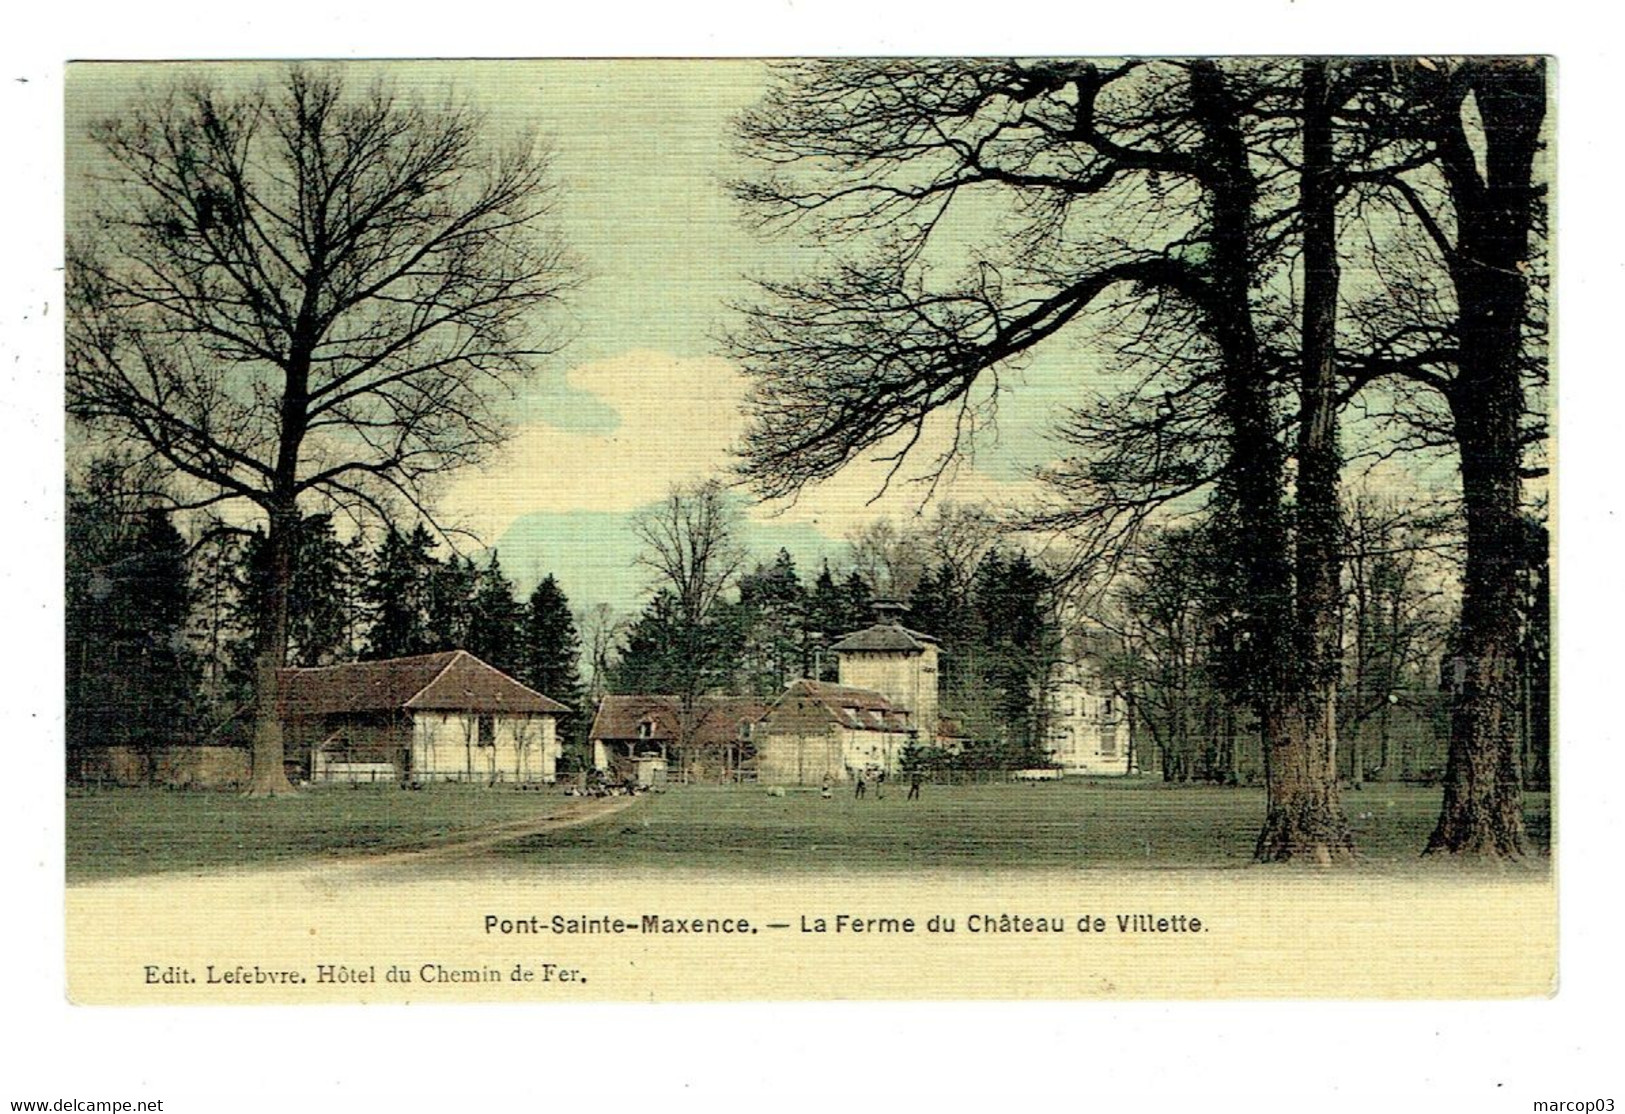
(862, 778)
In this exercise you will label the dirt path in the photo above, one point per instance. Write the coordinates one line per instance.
(320, 870)
(579, 811)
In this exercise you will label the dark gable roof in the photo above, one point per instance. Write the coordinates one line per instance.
(884, 636)
(468, 684)
(716, 718)
(453, 681)
(860, 709)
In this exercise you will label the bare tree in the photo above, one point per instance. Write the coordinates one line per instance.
(1489, 261)
(958, 536)
(691, 543)
(1467, 331)
(1317, 552)
(602, 629)
(890, 558)
(1394, 621)
(305, 292)
(1133, 190)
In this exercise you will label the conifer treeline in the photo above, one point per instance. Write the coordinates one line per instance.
(998, 629)
(160, 633)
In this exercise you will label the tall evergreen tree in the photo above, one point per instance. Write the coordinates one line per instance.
(397, 595)
(1021, 642)
(495, 620)
(130, 677)
(772, 616)
(648, 663)
(451, 587)
(221, 628)
(550, 657)
(320, 596)
(823, 622)
(666, 654)
(940, 607)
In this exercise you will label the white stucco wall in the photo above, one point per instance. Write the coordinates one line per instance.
(807, 756)
(908, 678)
(883, 750)
(813, 755)
(446, 747)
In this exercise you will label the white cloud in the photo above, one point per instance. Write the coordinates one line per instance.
(679, 417)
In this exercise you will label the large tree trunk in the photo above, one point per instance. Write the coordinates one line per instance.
(269, 777)
(1304, 819)
(1483, 798)
(269, 774)
(1310, 819)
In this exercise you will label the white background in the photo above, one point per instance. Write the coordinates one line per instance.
(1323, 1056)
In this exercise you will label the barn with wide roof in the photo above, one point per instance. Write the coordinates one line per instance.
(433, 717)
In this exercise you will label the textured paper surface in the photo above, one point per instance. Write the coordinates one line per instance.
(1265, 933)
(1262, 936)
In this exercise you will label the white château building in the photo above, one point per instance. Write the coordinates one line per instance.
(1088, 724)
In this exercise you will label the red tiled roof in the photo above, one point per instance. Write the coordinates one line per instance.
(452, 681)
(716, 719)
(861, 709)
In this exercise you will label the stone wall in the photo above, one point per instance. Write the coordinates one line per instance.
(176, 767)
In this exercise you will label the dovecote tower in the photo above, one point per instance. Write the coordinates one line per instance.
(898, 663)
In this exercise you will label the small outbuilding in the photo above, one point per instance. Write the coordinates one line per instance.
(434, 717)
(645, 738)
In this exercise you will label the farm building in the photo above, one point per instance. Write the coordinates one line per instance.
(885, 700)
(648, 739)
(817, 731)
(434, 717)
(813, 731)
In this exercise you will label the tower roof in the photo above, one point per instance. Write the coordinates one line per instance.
(884, 636)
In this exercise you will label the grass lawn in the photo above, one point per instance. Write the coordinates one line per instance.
(121, 832)
(1073, 824)
(1078, 823)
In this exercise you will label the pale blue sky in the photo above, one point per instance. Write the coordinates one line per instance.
(640, 398)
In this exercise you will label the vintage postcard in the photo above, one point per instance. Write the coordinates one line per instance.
(911, 528)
